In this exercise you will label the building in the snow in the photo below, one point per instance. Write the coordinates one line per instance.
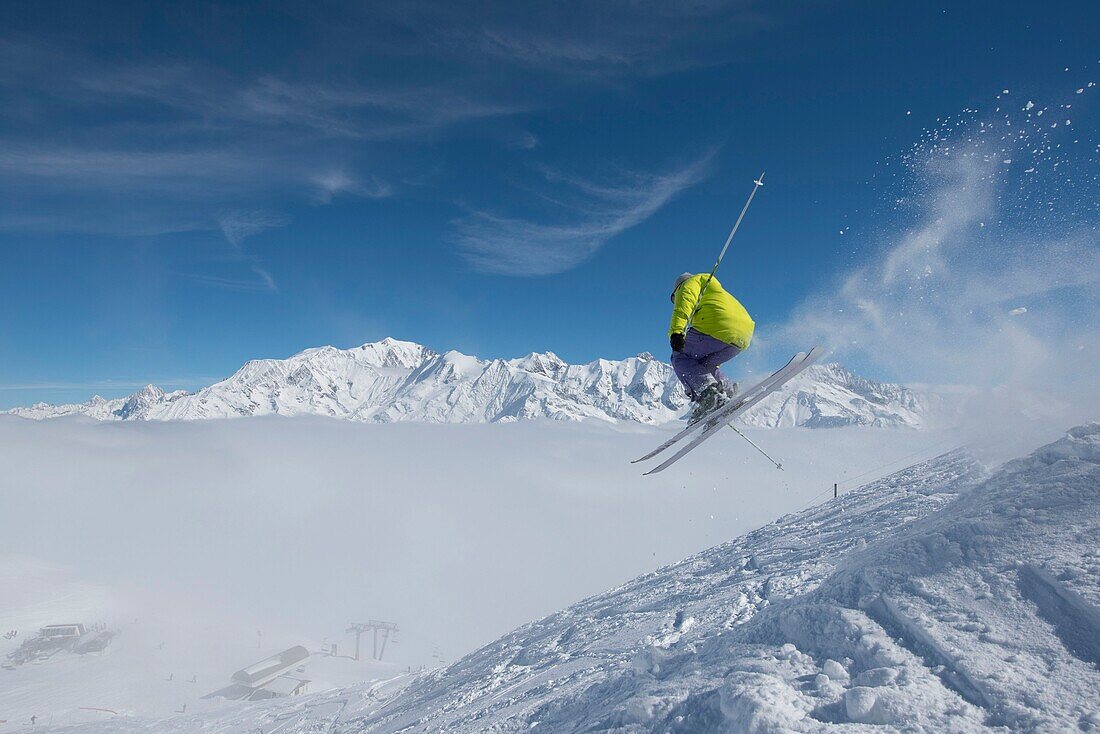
(61, 631)
(51, 640)
(284, 685)
(271, 677)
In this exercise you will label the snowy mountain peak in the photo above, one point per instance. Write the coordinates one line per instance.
(392, 380)
(541, 363)
(392, 352)
(138, 403)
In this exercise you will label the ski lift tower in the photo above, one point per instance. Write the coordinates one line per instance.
(375, 626)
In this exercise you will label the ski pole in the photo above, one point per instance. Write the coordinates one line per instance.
(753, 444)
(756, 185)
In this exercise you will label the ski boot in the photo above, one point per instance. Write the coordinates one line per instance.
(711, 399)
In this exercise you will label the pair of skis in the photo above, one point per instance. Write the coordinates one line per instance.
(708, 425)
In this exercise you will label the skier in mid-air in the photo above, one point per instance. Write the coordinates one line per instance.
(709, 328)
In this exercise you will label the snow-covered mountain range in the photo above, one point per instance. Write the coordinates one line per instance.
(393, 380)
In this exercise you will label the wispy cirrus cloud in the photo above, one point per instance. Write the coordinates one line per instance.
(241, 224)
(578, 41)
(152, 140)
(189, 136)
(363, 112)
(588, 214)
(174, 129)
(335, 182)
(263, 282)
(207, 99)
(237, 226)
(193, 173)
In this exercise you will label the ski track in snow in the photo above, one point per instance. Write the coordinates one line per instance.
(939, 599)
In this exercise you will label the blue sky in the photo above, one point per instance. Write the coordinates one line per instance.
(185, 186)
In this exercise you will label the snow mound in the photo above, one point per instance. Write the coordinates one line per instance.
(393, 380)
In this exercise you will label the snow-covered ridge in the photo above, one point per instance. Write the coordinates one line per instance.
(393, 380)
(828, 395)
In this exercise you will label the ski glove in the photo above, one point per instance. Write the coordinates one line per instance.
(677, 341)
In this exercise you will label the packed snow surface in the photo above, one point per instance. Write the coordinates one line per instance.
(942, 598)
(392, 380)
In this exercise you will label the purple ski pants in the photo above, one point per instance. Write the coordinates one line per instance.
(697, 366)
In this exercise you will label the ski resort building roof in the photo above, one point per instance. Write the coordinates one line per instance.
(284, 685)
(62, 630)
(268, 669)
(267, 678)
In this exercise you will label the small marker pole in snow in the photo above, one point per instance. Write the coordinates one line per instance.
(753, 444)
(836, 490)
(757, 184)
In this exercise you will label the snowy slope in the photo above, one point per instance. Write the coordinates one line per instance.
(934, 600)
(940, 599)
(393, 380)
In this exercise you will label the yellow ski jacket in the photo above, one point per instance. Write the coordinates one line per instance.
(720, 315)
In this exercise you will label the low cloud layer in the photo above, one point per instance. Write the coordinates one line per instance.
(306, 524)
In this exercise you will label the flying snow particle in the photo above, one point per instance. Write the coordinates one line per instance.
(1029, 105)
(1018, 311)
(1004, 91)
(1079, 91)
